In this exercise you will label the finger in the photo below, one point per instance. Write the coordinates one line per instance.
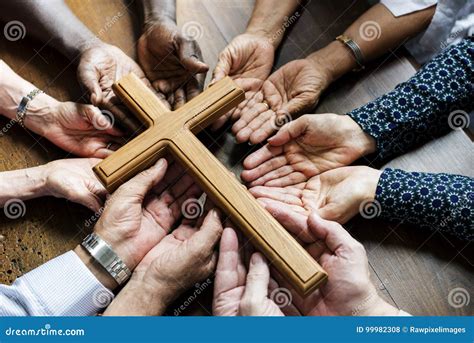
(263, 132)
(290, 131)
(89, 78)
(193, 88)
(291, 179)
(190, 56)
(229, 264)
(139, 185)
(261, 155)
(258, 278)
(294, 221)
(205, 239)
(287, 196)
(179, 98)
(263, 169)
(101, 122)
(247, 116)
(273, 175)
(331, 233)
(222, 68)
(220, 121)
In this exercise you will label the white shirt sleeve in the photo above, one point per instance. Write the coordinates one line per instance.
(63, 286)
(403, 7)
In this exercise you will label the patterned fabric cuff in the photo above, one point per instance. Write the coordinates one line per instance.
(441, 202)
(436, 99)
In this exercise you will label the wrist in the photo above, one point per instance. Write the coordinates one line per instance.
(336, 59)
(40, 113)
(381, 308)
(98, 271)
(267, 35)
(362, 142)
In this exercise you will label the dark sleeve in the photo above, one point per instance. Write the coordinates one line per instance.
(439, 202)
(436, 99)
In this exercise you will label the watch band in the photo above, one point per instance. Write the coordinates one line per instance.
(103, 253)
(354, 47)
(23, 106)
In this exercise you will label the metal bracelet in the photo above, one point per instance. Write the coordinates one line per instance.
(23, 106)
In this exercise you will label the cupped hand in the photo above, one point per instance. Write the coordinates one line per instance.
(287, 93)
(248, 60)
(100, 66)
(138, 215)
(74, 180)
(171, 61)
(308, 146)
(236, 291)
(348, 290)
(80, 129)
(185, 256)
(334, 195)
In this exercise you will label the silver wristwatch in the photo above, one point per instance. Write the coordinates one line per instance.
(107, 258)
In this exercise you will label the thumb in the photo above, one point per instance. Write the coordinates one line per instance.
(222, 68)
(139, 185)
(289, 131)
(190, 56)
(331, 233)
(89, 78)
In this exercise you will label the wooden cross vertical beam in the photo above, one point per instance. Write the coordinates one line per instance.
(174, 132)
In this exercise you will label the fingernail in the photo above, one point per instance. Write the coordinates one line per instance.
(160, 162)
(256, 259)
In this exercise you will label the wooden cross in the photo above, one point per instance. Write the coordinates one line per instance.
(174, 132)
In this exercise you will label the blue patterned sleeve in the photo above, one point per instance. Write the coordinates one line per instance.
(440, 202)
(425, 106)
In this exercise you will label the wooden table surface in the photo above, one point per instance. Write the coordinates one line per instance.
(413, 270)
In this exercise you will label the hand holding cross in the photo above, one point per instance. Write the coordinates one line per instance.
(174, 132)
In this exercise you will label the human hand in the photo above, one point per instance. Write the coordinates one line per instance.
(335, 195)
(171, 61)
(178, 261)
(237, 292)
(248, 60)
(74, 180)
(288, 92)
(76, 128)
(348, 290)
(100, 66)
(140, 213)
(308, 146)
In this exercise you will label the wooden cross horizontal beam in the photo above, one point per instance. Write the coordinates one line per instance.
(174, 132)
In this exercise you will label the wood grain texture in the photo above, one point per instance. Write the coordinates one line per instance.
(174, 132)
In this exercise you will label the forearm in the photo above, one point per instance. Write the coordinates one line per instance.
(419, 110)
(376, 32)
(438, 202)
(268, 19)
(158, 10)
(22, 184)
(59, 27)
(12, 89)
(138, 299)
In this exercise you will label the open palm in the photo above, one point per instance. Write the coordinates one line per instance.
(292, 89)
(335, 195)
(304, 148)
